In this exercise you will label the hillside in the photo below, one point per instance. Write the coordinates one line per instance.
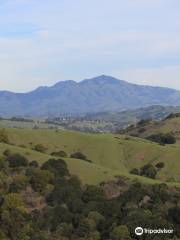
(110, 155)
(41, 198)
(155, 112)
(98, 94)
(170, 124)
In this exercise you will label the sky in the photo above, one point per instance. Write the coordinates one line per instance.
(46, 41)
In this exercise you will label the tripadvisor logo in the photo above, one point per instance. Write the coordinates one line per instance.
(140, 231)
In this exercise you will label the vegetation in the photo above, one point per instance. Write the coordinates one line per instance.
(59, 154)
(16, 160)
(162, 138)
(80, 155)
(49, 203)
(40, 148)
(110, 154)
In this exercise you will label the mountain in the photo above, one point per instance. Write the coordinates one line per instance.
(103, 93)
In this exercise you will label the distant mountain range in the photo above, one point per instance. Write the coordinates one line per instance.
(103, 93)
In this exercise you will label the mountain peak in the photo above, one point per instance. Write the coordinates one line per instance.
(102, 79)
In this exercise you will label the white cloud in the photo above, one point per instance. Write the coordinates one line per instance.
(75, 39)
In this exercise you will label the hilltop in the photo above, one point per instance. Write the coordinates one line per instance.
(99, 94)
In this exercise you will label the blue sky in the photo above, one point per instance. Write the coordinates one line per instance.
(45, 41)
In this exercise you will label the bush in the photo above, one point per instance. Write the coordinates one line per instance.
(162, 138)
(80, 155)
(59, 154)
(40, 148)
(19, 183)
(56, 166)
(17, 160)
(7, 153)
(39, 179)
(160, 165)
(148, 170)
(33, 164)
(135, 171)
(120, 233)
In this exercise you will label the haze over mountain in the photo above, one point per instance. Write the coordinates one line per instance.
(102, 93)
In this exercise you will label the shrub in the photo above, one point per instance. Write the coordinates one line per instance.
(56, 166)
(174, 214)
(135, 171)
(162, 138)
(120, 233)
(7, 153)
(80, 155)
(93, 193)
(40, 148)
(17, 160)
(39, 179)
(160, 165)
(148, 170)
(33, 164)
(19, 183)
(59, 154)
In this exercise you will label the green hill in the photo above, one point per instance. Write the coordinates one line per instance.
(146, 128)
(110, 155)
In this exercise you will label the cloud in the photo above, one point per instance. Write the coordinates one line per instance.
(42, 42)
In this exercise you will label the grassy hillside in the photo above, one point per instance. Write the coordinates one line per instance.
(168, 125)
(111, 155)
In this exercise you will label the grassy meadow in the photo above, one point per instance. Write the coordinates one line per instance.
(110, 154)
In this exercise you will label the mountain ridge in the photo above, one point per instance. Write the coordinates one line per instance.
(101, 93)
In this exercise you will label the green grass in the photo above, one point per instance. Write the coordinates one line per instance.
(24, 124)
(111, 155)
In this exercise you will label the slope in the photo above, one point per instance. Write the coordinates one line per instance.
(110, 154)
(171, 124)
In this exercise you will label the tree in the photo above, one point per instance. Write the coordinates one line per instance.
(59, 154)
(39, 179)
(40, 148)
(135, 171)
(33, 164)
(93, 193)
(17, 160)
(160, 165)
(79, 155)
(19, 183)
(57, 166)
(7, 153)
(14, 217)
(174, 214)
(148, 170)
(162, 138)
(120, 232)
